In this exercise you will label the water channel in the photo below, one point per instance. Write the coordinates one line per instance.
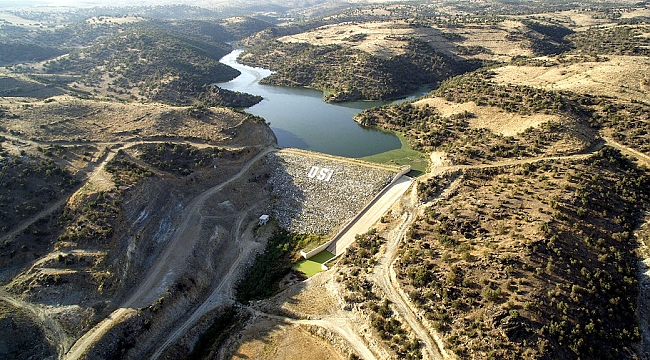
(301, 119)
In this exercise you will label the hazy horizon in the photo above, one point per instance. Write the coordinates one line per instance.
(5, 4)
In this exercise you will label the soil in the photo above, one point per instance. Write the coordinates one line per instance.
(489, 117)
(389, 38)
(314, 307)
(273, 339)
(66, 120)
(624, 77)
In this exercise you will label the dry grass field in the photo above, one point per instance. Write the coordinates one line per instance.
(624, 77)
(382, 38)
(67, 119)
(580, 20)
(389, 38)
(271, 339)
(489, 117)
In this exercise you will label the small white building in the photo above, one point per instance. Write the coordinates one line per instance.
(263, 220)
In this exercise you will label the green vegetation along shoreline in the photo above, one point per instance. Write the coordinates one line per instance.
(405, 155)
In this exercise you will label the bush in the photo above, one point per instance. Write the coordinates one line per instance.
(490, 294)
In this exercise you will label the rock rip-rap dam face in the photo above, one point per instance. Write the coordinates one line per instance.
(317, 194)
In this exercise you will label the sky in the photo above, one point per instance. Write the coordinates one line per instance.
(90, 3)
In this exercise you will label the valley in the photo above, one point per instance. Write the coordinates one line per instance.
(133, 181)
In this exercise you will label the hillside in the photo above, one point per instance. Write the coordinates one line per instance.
(334, 69)
(510, 257)
(15, 53)
(513, 274)
(162, 65)
(398, 56)
(90, 205)
(132, 189)
(94, 181)
(130, 58)
(547, 124)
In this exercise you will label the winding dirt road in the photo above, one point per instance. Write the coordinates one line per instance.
(53, 331)
(182, 242)
(340, 325)
(384, 274)
(382, 277)
(179, 247)
(162, 271)
(93, 172)
(510, 162)
(222, 293)
(643, 158)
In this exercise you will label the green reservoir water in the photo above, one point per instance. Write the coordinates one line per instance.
(312, 266)
(300, 119)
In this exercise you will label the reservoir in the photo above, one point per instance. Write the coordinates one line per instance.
(301, 119)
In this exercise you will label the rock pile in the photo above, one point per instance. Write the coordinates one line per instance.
(315, 196)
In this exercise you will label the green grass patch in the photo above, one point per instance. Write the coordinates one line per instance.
(312, 266)
(313, 242)
(403, 156)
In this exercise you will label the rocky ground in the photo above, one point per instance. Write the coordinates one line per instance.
(305, 204)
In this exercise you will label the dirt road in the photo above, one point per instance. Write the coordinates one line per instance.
(643, 158)
(385, 276)
(181, 244)
(382, 277)
(371, 215)
(509, 162)
(53, 331)
(222, 293)
(90, 172)
(94, 171)
(81, 346)
(163, 270)
(340, 325)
